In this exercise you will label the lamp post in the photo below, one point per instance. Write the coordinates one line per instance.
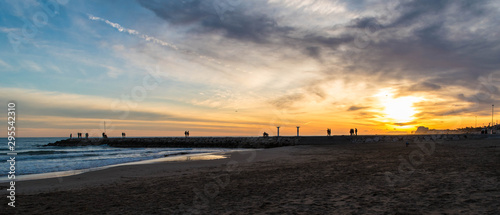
(298, 130)
(278, 130)
(492, 108)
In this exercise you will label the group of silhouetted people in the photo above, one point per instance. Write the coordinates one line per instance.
(79, 135)
(265, 134)
(186, 133)
(353, 131)
(104, 135)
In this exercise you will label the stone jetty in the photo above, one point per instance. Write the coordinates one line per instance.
(183, 142)
(259, 142)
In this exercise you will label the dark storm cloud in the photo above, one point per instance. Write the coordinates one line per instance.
(331, 42)
(355, 108)
(239, 22)
(177, 12)
(437, 43)
(424, 86)
(313, 51)
(416, 10)
(364, 23)
(213, 16)
(480, 98)
(447, 43)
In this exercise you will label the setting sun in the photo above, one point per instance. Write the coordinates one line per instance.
(397, 110)
(401, 110)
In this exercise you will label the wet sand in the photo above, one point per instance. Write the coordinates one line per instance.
(456, 177)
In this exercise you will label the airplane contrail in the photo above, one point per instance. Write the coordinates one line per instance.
(133, 32)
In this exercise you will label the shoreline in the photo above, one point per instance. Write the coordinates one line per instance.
(92, 177)
(449, 177)
(170, 158)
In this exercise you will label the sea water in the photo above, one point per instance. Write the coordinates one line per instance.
(33, 157)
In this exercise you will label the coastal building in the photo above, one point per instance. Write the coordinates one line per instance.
(466, 130)
(426, 130)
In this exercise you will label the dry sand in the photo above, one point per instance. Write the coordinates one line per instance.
(458, 177)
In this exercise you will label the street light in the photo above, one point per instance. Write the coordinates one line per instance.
(298, 130)
(278, 130)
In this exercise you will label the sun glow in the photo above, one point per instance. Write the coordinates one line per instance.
(400, 109)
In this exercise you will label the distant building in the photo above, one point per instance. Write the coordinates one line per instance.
(422, 130)
(426, 130)
(467, 130)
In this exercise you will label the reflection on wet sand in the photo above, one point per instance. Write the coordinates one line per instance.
(198, 157)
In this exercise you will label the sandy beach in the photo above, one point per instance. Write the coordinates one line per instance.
(433, 177)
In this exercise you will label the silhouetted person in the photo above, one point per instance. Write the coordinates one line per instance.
(123, 135)
(104, 135)
(186, 133)
(356, 131)
(328, 132)
(70, 136)
(86, 135)
(265, 134)
(351, 131)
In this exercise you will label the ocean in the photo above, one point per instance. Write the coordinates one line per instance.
(33, 158)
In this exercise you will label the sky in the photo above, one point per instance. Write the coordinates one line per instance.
(241, 68)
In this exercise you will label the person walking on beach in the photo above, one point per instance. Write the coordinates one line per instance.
(328, 132)
(356, 131)
(351, 131)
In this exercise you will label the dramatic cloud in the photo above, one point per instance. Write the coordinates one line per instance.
(314, 62)
(230, 17)
(417, 39)
(448, 41)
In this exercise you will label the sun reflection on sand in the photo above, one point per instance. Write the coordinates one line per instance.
(197, 157)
